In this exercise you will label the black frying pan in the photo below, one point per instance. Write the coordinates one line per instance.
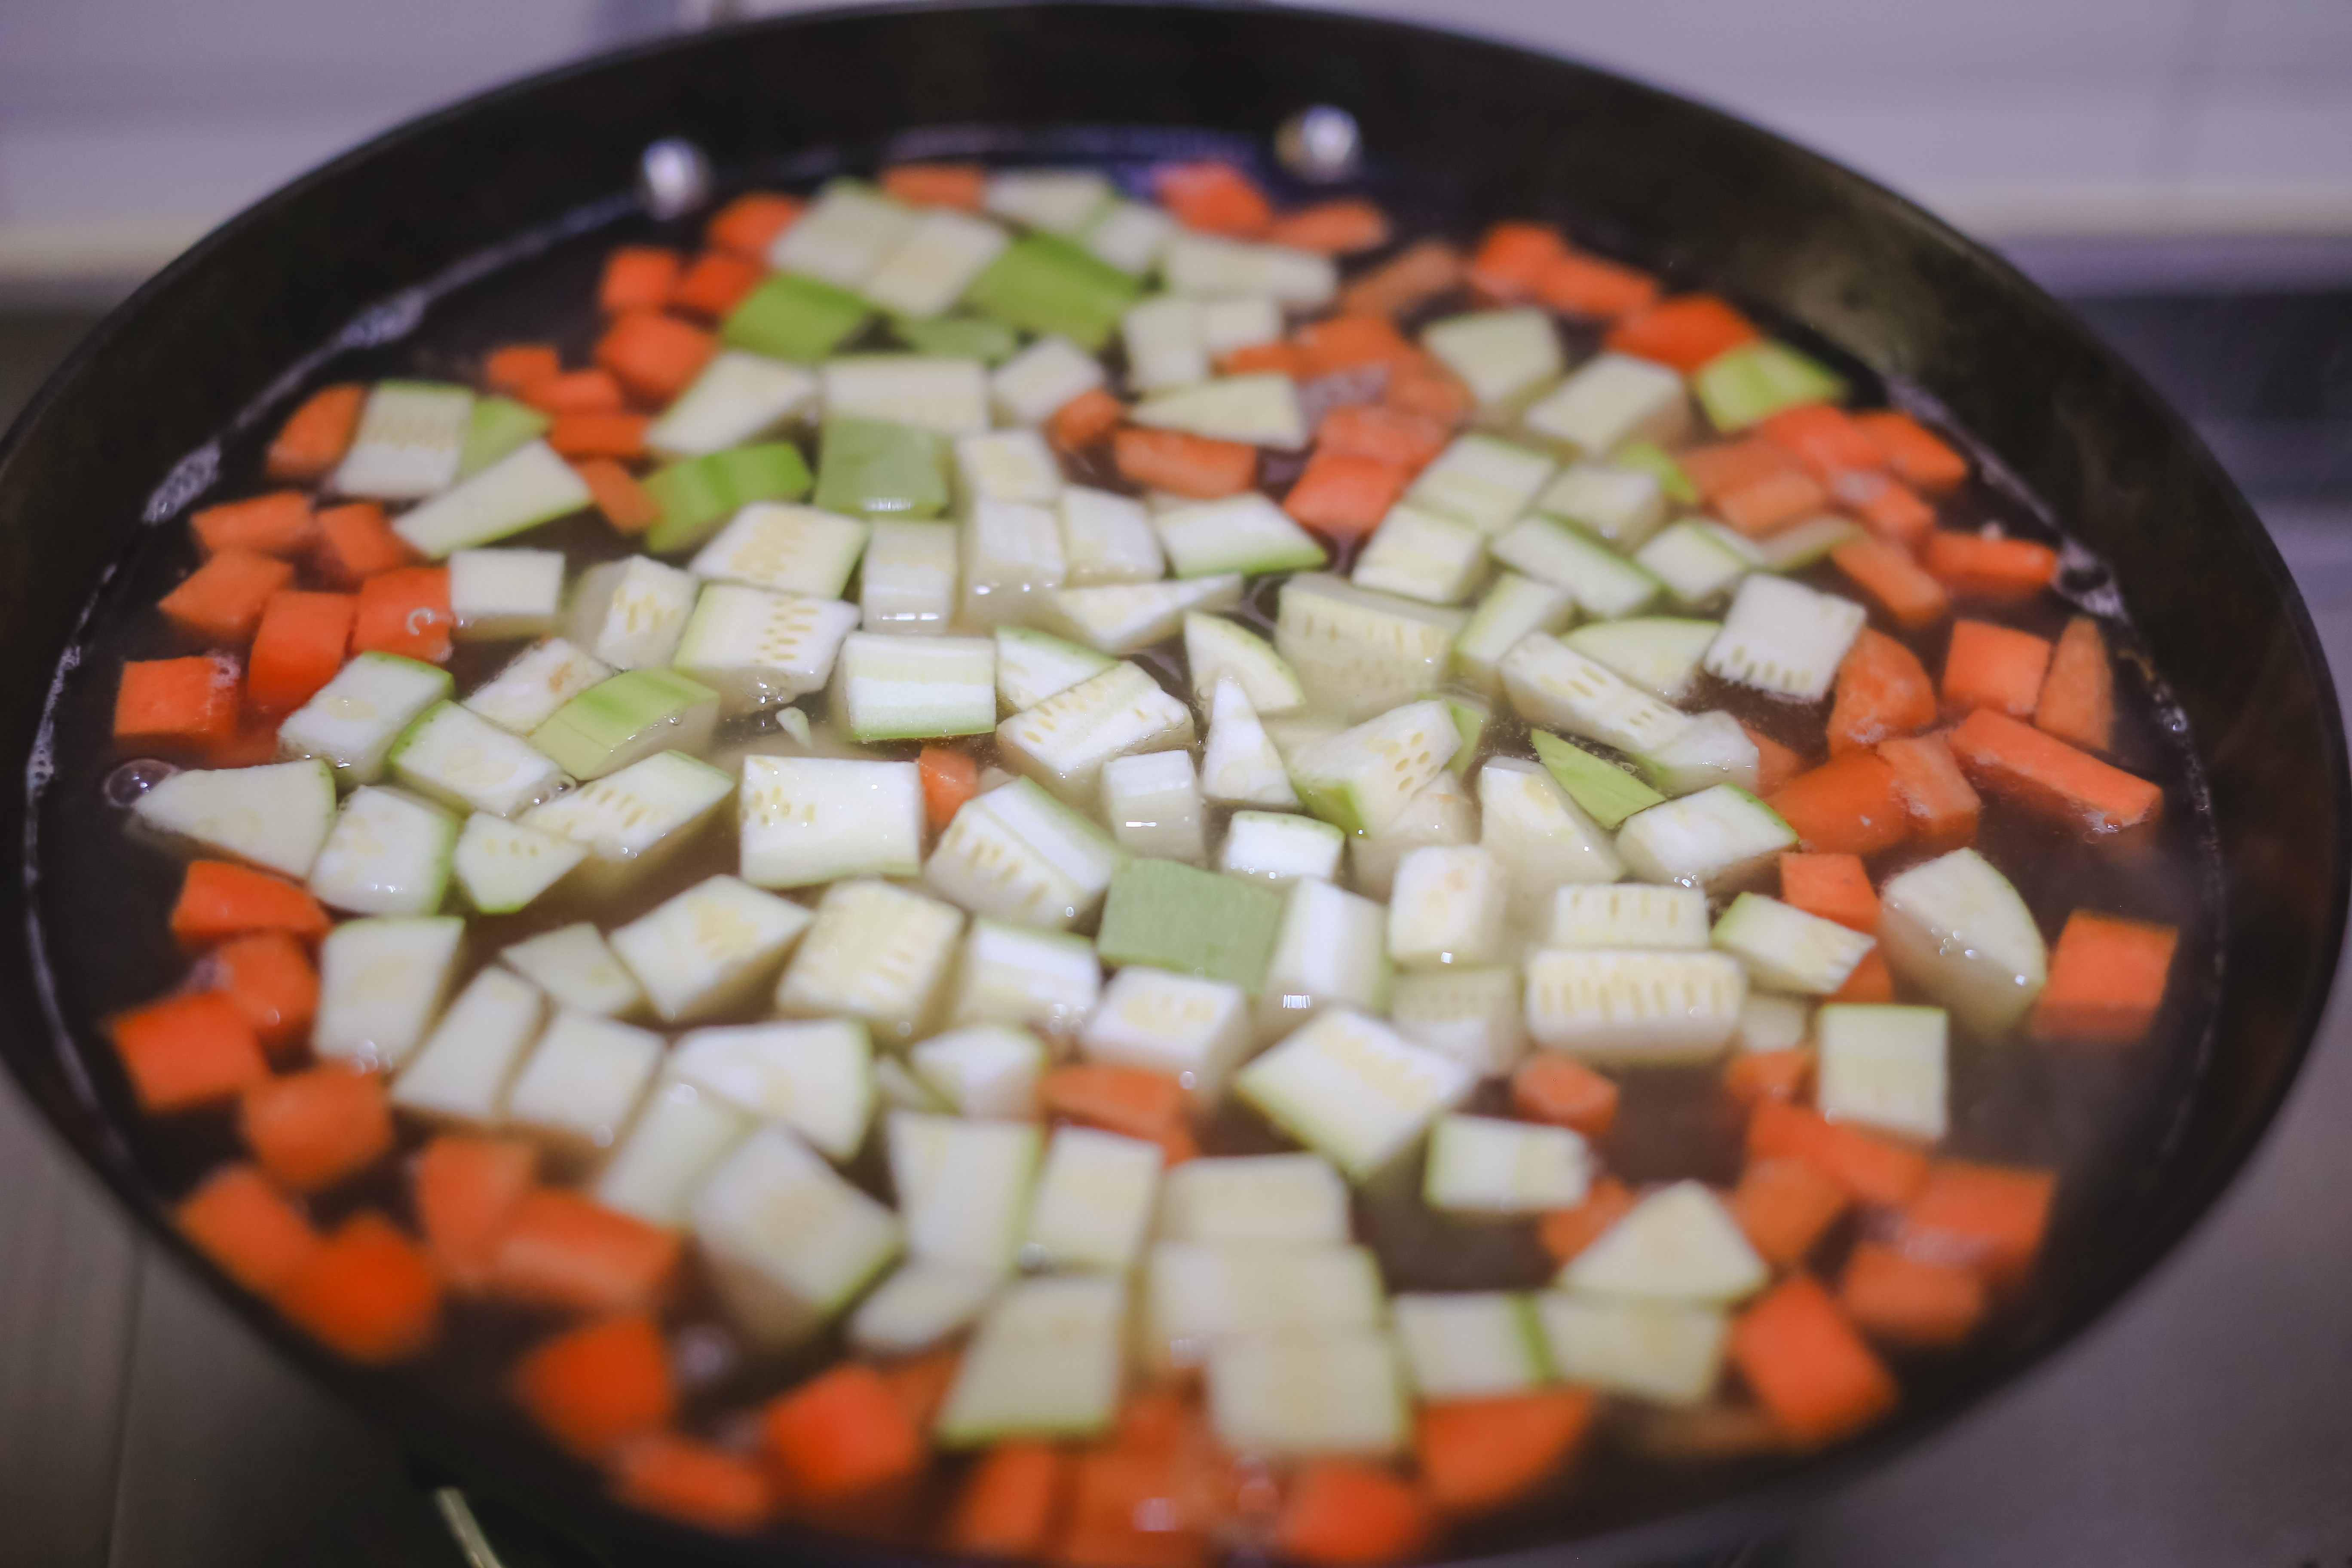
(171, 397)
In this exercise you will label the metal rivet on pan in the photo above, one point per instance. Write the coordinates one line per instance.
(1320, 142)
(673, 176)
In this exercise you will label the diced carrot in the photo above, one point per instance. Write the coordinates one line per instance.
(591, 391)
(1684, 332)
(356, 542)
(1779, 1075)
(1215, 198)
(188, 1052)
(1349, 342)
(1482, 1453)
(1551, 1087)
(1776, 764)
(2017, 762)
(189, 701)
(1994, 666)
(1803, 1361)
(1989, 1218)
(596, 1386)
(1341, 1512)
(1259, 359)
(1420, 271)
(607, 434)
(1882, 694)
(1184, 465)
(1154, 1420)
(1580, 285)
(1006, 1507)
(624, 502)
(368, 1293)
(1834, 887)
(565, 1250)
(1512, 257)
(1907, 446)
(2107, 980)
(1767, 506)
(218, 900)
(920, 1383)
(1974, 565)
(1850, 804)
(1724, 467)
(1429, 390)
(269, 974)
(316, 436)
(1389, 436)
(950, 778)
(1943, 804)
(1888, 507)
(464, 1193)
(1345, 497)
(1133, 1100)
(959, 185)
(248, 1228)
(1564, 1233)
(638, 277)
(2078, 697)
(296, 648)
(1344, 227)
(279, 523)
(406, 612)
(1902, 1300)
(1824, 438)
(655, 356)
(1786, 1206)
(513, 368)
(312, 1128)
(1889, 574)
(841, 1436)
(253, 743)
(1873, 1172)
(1124, 1513)
(715, 283)
(1868, 983)
(221, 601)
(1085, 419)
(693, 1483)
(752, 221)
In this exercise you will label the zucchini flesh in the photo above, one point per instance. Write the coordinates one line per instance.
(1504, 357)
(815, 1078)
(1017, 854)
(496, 427)
(910, 689)
(1769, 1023)
(963, 1186)
(1328, 952)
(844, 235)
(1678, 1244)
(387, 855)
(1326, 1390)
(1611, 400)
(462, 761)
(679, 1138)
(1360, 779)
(1785, 949)
(1107, 538)
(1696, 564)
(1278, 848)
(380, 987)
(573, 965)
(1162, 336)
(276, 816)
(1256, 410)
(877, 953)
(739, 397)
(1956, 929)
(1032, 665)
(1419, 554)
(1620, 506)
(788, 1243)
(1712, 748)
(922, 1304)
(1746, 385)
(1012, 555)
(499, 595)
(1440, 813)
(1601, 790)
(785, 549)
(502, 867)
(1602, 582)
(1007, 465)
(1287, 1199)
(987, 1071)
(909, 581)
(1482, 481)
(1537, 836)
(463, 1067)
(1490, 1166)
(1802, 544)
(1473, 1016)
(1017, 974)
(1656, 653)
(1129, 235)
(1353, 1090)
(880, 468)
(1447, 907)
(1059, 201)
(1063, 742)
(529, 486)
(1036, 383)
(583, 1082)
(630, 819)
(352, 720)
(1664, 1352)
(1126, 618)
(929, 270)
(1243, 322)
(1211, 267)
(1359, 653)
(1245, 533)
(1045, 284)
(1629, 915)
(1152, 801)
(758, 650)
(710, 948)
(1513, 607)
(1045, 1362)
(1884, 1067)
(535, 683)
(1239, 765)
(410, 439)
(792, 319)
(1718, 835)
(803, 821)
(1094, 1201)
(1784, 637)
(1216, 650)
(1198, 1295)
(620, 721)
(1550, 683)
(1618, 1007)
(1470, 1345)
(631, 613)
(1195, 1030)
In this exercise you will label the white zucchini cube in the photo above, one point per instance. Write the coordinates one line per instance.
(1063, 742)
(583, 1082)
(1539, 836)
(1712, 748)
(1129, 235)
(380, 982)
(463, 1068)
(277, 815)
(1212, 267)
(1699, 564)
(963, 1186)
(1217, 651)
(788, 1243)
(1320, 1391)
(1659, 654)
(1471, 1345)
(1678, 1244)
(1195, 1030)
(924, 1303)
(681, 1137)
(1442, 813)
(1621, 506)
(1033, 384)
(908, 586)
(891, 688)
(815, 1078)
(630, 613)
(1785, 949)
(352, 722)
(1513, 607)
(986, 1071)
(759, 650)
(1663, 1352)
(1198, 1295)
(1107, 538)
(1504, 357)
(1785, 638)
(803, 821)
(1280, 849)
(949, 395)
(388, 854)
(1094, 1201)
(1007, 465)
(1257, 410)
(1153, 805)
(1239, 765)
(1012, 555)
(1884, 1068)
(1721, 834)
(1617, 1006)
(1362, 779)
(1473, 1016)
(878, 953)
(1551, 684)
(574, 965)
(535, 683)
(739, 397)
(520, 489)
(1330, 951)
(1281, 1199)
(1956, 928)
(1059, 201)
(1126, 618)
(785, 550)
(1488, 1165)
(1629, 915)
(1610, 400)
(1032, 665)
(1243, 322)
(1480, 481)
(930, 269)
(1447, 907)
(496, 593)
(844, 235)
(1769, 1023)
(1353, 1090)
(1045, 980)
(1247, 533)
(1016, 853)
(502, 867)
(1046, 1362)
(710, 949)
(1422, 555)
(406, 445)
(1602, 582)
(1163, 342)
(455, 757)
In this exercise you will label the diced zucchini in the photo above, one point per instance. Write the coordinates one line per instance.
(947, 395)
(1785, 949)
(573, 965)
(387, 855)
(1193, 1029)
(1046, 1362)
(1719, 835)
(758, 650)
(1550, 683)
(1956, 929)
(277, 815)
(1784, 637)
(806, 820)
(1126, 618)
(496, 427)
(957, 337)
(1285, 1199)
(465, 1065)
(1199, 1294)
(815, 1078)
(929, 270)
(1513, 608)
(1658, 654)
(1602, 583)
(1059, 201)
(1471, 717)
(1678, 1244)
(1247, 533)
(1244, 322)
(352, 720)
(877, 953)
(1215, 647)
(1277, 849)
(1239, 766)
(739, 397)
(459, 759)
(1769, 1023)
(924, 1304)
(1629, 915)
(1329, 952)
(881, 468)
(1712, 748)
(1063, 742)
(697, 494)
(963, 1186)
(1600, 789)
(1007, 465)
(1319, 1392)
(900, 688)
(380, 987)
(618, 723)
(1884, 1067)
(1746, 385)
(709, 948)
(788, 1243)
(1504, 357)
(1107, 539)
(1539, 837)
(410, 437)
(1697, 565)
(1189, 921)
(1129, 235)
(1018, 975)
(1419, 554)
(909, 581)
(630, 613)
(1353, 1090)
(1094, 1201)
(1017, 854)
(1802, 544)
(1036, 383)
(793, 320)
(1214, 268)
(1482, 481)
(1663, 1352)
(1257, 410)
(784, 549)
(1620, 505)
(679, 1138)
(1489, 1165)
(988, 1070)
(1473, 1016)
(1044, 284)
(1440, 813)
(1471, 1345)
(535, 683)
(844, 235)
(496, 595)
(529, 486)
(1635, 1007)
(1360, 779)
(1012, 557)
(1447, 907)
(1613, 399)
(502, 867)
(1033, 666)
(1152, 801)
(632, 820)
(1162, 338)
